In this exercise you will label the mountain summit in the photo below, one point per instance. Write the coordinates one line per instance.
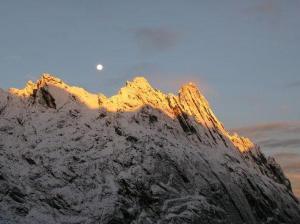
(190, 107)
(140, 156)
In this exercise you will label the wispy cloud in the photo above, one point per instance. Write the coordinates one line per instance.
(267, 6)
(290, 162)
(282, 141)
(274, 136)
(294, 177)
(295, 84)
(268, 128)
(273, 143)
(172, 82)
(156, 38)
(266, 10)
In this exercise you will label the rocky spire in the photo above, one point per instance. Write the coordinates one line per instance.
(30, 87)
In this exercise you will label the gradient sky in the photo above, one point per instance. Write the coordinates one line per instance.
(245, 55)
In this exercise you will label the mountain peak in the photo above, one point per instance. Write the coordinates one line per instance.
(189, 85)
(190, 88)
(45, 80)
(191, 94)
(139, 82)
(49, 78)
(69, 155)
(137, 94)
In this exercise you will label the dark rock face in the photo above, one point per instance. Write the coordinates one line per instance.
(169, 164)
(46, 98)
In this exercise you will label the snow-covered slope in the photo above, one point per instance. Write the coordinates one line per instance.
(141, 156)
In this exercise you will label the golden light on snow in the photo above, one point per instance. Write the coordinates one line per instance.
(126, 101)
(99, 67)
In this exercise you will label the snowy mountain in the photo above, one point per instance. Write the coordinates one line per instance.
(141, 156)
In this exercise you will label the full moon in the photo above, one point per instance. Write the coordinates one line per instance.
(99, 67)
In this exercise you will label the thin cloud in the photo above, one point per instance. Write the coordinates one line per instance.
(156, 39)
(281, 140)
(172, 82)
(295, 84)
(295, 180)
(274, 137)
(267, 10)
(290, 163)
(273, 143)
(263, 7)
(143, 68)
(269, 127)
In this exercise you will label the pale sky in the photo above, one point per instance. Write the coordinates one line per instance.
(245, 55)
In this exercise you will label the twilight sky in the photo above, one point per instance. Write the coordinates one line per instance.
(245, 55)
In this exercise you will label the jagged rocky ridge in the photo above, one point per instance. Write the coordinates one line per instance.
(141, 156)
